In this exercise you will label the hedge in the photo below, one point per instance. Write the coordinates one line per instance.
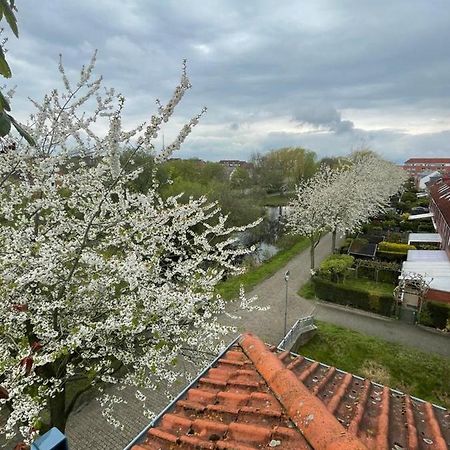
(435, 315)
(345, 295)
(392, 256)
(394, 247)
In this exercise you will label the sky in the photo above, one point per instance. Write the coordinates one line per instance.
(329, 76)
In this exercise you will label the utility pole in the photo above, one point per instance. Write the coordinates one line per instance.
(286, 279)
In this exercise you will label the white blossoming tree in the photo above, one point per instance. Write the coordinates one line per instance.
(361, 190)
(98, 282)
(341, 200)
(311, 210)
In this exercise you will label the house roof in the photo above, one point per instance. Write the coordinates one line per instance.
(257, 397)
(440, 193)
(427, 160)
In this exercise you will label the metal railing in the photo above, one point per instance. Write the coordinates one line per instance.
(301, 326)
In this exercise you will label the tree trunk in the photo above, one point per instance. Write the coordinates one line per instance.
(311, 251)
(57, 405)
(333, 240)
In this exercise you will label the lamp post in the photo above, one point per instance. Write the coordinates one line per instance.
(286, 279)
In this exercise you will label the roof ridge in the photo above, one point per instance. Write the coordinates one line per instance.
(320, 428)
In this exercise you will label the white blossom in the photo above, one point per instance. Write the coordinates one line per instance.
(97, 280)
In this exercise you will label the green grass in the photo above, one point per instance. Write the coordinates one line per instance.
(229, 289)
(370, 286)
(276, 200)
(423, 375)
(307, 291)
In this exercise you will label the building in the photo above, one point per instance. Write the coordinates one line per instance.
(440, 208)
(433, 265)
(233, 163)
(258, 397)
(416, 166)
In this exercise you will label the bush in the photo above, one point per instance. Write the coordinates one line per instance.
(392, 256)
(335, 265)
(347, 295)
(395, 247)
(435, 315)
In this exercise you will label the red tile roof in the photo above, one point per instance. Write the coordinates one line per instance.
(440, 193)
(259, 397)
(427, 161)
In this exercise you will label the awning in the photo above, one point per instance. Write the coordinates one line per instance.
(424, 237)
(420, 216)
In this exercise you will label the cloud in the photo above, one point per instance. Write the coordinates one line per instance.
(320, 73)
(322, 116)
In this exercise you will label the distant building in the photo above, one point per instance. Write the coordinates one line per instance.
(427, 179)
(233, 163)
(416, 166)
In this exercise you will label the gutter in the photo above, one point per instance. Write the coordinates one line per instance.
(142, 434)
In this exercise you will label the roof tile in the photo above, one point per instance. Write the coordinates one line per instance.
(258, 397)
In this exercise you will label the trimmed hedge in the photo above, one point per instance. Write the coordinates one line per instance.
(358, 298)
(394, 247)
(435, 315)
(392, 256)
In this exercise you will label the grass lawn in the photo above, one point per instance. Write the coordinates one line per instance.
(229, 289)
(423, 375)
(276, 200)
(369, 285)
(307, 291)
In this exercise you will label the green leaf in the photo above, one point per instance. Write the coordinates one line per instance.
(4, 103)
(4, 67)
(22, 132)
(5, 124)
(10, 17)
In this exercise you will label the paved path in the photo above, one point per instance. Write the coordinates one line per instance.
(88, 430)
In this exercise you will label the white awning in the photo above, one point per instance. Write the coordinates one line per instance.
(420, 216)
(427, 255)
(433, 265)
(424, 237)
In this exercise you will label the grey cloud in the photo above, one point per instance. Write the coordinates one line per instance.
(253, 61)
(321, 115)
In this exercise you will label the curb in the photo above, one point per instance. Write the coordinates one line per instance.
(349, 309)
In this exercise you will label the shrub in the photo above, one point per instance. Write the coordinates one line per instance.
(395, 247)
(435, 314)
(335, 265)
(393, 251)
(392, 256)
(359, 298)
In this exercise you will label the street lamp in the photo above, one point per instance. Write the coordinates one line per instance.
(286, 279)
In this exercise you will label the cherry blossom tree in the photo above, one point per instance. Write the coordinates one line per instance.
(311, 210)
(362, 189)
(99, 282)
(341, 200)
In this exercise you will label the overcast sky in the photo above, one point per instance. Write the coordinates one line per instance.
(326, 75)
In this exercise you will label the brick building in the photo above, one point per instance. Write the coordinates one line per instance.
(440, 208)
(417, 166)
